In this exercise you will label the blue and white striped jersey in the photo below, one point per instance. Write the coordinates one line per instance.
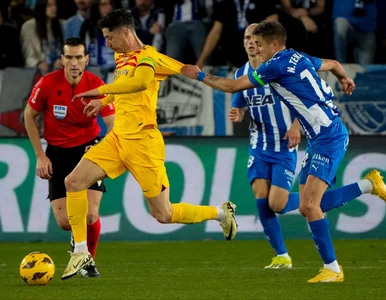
(293, 76)
(270, 118)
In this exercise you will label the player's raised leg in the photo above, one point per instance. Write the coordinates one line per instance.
(84, 175)
(372, 183)
(378, 185)
(165, 212)
(281, 201)
(148, 167)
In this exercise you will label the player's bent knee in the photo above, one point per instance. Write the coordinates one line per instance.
(164, 217)
(92, 218)
(69, 182)
(303, 210)
(64, 224)
(160, 207)
(306, 208)
(277, 206)
(278, 198)
(73, 184)
(260, 188)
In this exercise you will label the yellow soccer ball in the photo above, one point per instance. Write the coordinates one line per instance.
(37, 268)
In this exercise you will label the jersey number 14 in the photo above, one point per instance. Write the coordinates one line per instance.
(326, 88)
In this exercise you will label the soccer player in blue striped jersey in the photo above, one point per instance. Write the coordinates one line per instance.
(272, 157)
(293, 77)
(274, 136)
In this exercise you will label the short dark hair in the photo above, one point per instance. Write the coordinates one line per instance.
(116, 19)
(270, 31)
(73, 42)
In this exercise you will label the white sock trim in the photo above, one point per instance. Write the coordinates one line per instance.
(333, 266)
(284, 255)
(220, 214)
(365, 186)
(81, 247)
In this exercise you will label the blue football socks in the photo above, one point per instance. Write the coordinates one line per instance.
(331, 199)
(322, 239)
(271, 225)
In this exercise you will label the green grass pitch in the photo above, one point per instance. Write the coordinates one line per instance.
(200, 270)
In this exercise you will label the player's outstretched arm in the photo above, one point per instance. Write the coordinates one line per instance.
(335, 67)
(141, 80)
(124, 85)
(219, 83)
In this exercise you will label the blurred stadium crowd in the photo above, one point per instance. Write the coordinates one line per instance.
(203, 32)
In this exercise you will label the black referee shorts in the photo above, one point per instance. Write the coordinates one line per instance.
(64, 160)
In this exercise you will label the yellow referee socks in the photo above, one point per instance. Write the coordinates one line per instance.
(77, 209)
(186, 213)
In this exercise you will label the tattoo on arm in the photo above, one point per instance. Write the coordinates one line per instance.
(220, 83)
(213, 78)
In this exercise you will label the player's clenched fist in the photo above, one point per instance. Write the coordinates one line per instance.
(347, 85)
(190, 71)
(236, 115)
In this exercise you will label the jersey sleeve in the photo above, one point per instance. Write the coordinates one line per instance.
(146, 62)
(264, 74)
(316, 61)
(124, 84)
(38, 97)
(108, 100)
(164, 65)
(107, 110)
(238, 99)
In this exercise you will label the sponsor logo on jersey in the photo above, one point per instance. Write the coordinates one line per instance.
(320, 158)
(120, 72)
(259, 100)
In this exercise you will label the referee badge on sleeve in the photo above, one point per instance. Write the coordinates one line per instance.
(60, 111)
